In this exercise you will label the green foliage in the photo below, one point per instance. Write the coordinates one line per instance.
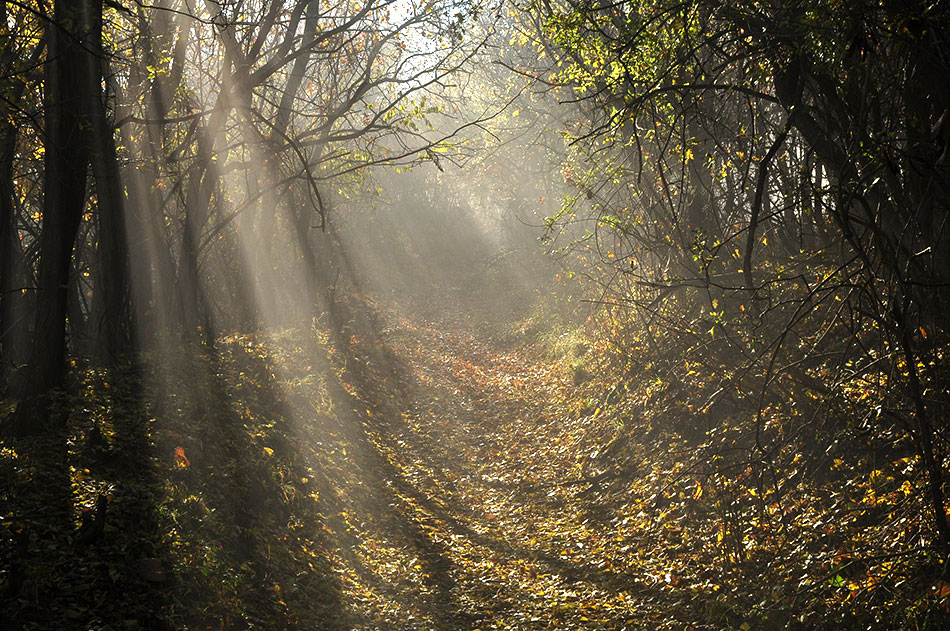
(769, 333)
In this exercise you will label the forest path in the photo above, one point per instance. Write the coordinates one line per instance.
(484, 469)
(412, 470)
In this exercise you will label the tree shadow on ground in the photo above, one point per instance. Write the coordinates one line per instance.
(237, 501)
(378, 425)
(356, 511)
(81, 532)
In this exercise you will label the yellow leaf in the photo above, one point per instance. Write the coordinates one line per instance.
(268, 451)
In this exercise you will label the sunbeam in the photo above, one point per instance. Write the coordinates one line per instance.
(470, 315)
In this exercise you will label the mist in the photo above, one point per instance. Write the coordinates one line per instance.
(472, 315)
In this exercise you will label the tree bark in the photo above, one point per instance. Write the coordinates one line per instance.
(12, 278)
(11, 269)
(67, 158)
(112, 290)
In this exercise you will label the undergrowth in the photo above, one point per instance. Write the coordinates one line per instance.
(392, 473)
(776, 512)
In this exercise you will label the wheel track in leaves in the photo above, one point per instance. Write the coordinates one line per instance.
(478, 447)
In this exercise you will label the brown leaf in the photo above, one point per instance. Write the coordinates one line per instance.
(180, 458)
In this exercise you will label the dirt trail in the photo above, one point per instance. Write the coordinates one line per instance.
(489, 522)
(414, 471)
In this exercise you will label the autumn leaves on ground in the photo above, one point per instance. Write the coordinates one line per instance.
(420, 476)
(423, 466)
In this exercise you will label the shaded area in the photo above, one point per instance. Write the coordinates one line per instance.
(309, 479)
(402, 471)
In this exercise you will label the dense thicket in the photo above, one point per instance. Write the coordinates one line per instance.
(763, 191)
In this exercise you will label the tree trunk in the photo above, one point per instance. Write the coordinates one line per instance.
(112, 290)
(11, 270)
(12, 279)
(64, 190)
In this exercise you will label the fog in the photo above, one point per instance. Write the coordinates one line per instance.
(463, 315)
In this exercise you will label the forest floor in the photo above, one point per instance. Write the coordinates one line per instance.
(487, 478)
(422, 469)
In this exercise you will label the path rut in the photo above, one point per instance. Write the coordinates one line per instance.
(481, 465)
